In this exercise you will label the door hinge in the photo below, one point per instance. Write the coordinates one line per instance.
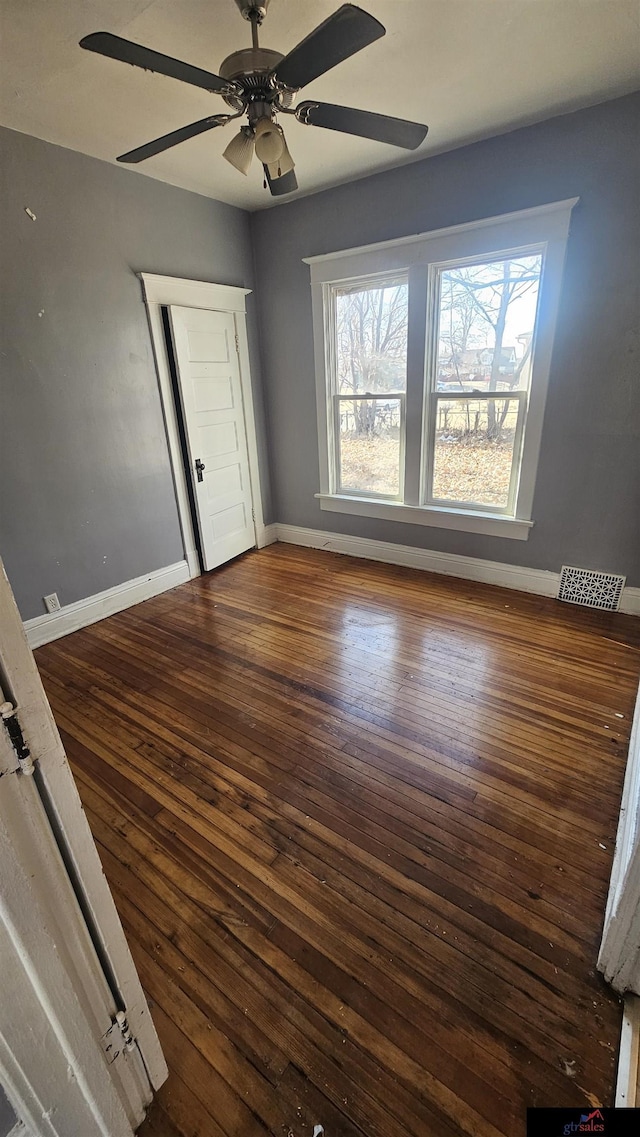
(9, 715)
(237, 344)
(118, 1037)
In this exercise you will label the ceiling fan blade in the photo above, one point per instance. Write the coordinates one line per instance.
(278, 186)
(366, 124)
(341, 35)
(176, 136)
(127, 52)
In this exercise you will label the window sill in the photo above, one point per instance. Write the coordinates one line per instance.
(466, 520)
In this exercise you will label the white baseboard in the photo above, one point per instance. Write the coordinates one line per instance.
(42, 629)
(193, 562)
(266, 535)
(630, 601)
(538, 581)
(450, 564)
(627, 1084)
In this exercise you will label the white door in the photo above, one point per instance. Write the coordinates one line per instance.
(78, 1051)
(208, 372)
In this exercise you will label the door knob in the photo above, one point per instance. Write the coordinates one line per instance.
(200, 467)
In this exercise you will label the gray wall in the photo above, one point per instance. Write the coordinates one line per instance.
(7, 1115)
(87, 498)
(587, 504)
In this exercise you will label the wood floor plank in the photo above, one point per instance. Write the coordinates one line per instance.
(450, 1067)
(256, 680)
(230, 914)
(373, 823)
(358, 822)
(411, 746)
(303, 1022)
(158, 1123)
(206, 1084)
(194, 726)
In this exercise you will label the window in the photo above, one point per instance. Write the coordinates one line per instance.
(484, 346)
(369, 383)
(432, 360)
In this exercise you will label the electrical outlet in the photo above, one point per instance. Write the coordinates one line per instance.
(51, 603)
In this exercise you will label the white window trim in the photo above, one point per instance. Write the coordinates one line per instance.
(467, 520)
(545, 226)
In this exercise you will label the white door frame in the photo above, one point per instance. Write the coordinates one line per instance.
(161, 291)
(48, 823)
(619, 957)
(51, 1058)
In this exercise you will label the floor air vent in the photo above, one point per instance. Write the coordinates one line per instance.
(595, 589)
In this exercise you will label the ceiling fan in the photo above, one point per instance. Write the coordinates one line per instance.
(262, 84)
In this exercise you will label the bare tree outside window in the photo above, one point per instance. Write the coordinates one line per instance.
(485, 342)
(487, 316)
(486, 322)
(371, 334)
(371, 360)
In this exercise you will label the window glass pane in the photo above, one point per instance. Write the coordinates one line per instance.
(486, 325)
(369, 435)
(473, 453)
(371, 337)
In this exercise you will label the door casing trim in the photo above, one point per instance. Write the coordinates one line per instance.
(161, 291)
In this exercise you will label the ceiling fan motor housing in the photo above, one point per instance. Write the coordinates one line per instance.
(249, 62)
(251, 69)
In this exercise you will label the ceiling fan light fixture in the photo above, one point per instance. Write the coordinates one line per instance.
(239, 152)
(284, 165)
(270, 143)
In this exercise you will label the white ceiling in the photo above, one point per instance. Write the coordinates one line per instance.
(468, 68)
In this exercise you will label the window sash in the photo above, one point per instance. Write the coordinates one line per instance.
(389, 396)
(332, 290)
(435, 397)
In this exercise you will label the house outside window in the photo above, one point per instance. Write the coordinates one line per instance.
(432, 364)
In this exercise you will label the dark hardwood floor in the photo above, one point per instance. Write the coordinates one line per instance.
(359, 822)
